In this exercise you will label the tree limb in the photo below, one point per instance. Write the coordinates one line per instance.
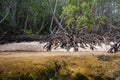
(57, 21)
(53, 17)
(114, 27)
(8, 10)
(3, 34)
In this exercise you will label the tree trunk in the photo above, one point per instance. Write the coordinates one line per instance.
(13, 15)
(26, 22)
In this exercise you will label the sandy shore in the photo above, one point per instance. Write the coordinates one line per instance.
(26, 49)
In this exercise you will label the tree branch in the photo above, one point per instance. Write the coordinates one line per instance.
(57, 21)
(8, 10)
(114, 27)
(3, 34)
(53, 17)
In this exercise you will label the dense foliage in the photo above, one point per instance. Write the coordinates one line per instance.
(26, 17)
(79, 13)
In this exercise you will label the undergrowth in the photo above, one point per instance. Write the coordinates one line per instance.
(88, 67)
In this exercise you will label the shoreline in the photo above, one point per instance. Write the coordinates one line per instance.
(39, 47)
(50, 54)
